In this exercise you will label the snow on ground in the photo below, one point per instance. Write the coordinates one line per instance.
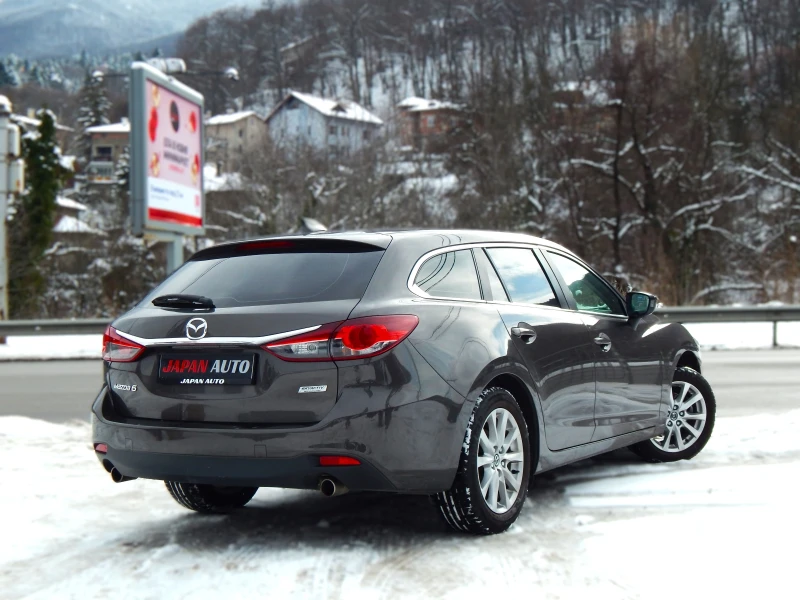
(45, 347)
(730, 336)
(723, 525)
(711, 336)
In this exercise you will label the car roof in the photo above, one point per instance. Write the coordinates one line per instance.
(445, 237)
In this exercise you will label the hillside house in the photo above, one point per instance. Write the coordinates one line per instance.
(108, 145)
(584, 105)
(30, 123)
(337, 126)
(230, 138)
(425, 123)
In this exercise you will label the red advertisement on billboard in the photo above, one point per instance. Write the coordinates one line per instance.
(174, 154)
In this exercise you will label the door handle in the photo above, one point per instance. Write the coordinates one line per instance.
(604, 342)
(526, 334)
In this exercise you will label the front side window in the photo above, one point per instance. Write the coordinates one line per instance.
(522, 276)
(588, 290)
(449, 275)
(492, 279)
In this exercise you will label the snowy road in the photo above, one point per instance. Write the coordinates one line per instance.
(724, 525)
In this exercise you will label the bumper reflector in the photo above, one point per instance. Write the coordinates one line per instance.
(338, 461)
(101, 448)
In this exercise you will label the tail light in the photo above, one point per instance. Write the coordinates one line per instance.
(350, 340)
(305, 347)
(118, 349)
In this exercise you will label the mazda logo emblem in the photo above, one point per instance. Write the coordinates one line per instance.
(196, 329)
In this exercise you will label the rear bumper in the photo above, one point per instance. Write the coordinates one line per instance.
(405, 440)
(302, 472)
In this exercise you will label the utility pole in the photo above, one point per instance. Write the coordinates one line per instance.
(11, 182)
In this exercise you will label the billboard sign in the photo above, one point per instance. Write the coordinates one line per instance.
(166, 154)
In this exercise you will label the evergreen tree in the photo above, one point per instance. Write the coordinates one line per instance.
(8, 75)
(123, 171)
(31, 230)
(93, 111)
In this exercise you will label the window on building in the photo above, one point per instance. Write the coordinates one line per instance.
(105, 153)
(332, 130)
(366, 135)
(241, 133)
(430, 121)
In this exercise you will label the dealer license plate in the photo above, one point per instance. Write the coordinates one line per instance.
(212, 369)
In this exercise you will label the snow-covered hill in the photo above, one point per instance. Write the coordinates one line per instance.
(35, 28)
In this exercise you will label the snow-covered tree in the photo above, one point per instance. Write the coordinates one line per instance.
(8, 75)
(31, 230)
(93, 111)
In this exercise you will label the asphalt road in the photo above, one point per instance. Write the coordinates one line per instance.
(745, 382)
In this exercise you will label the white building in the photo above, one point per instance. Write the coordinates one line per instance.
(231, 137)
(108, 145)
(336, 125)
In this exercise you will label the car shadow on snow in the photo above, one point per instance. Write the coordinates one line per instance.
(299, 519)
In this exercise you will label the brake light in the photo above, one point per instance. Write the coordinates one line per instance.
(118, 349)
(338, 461)
(370, 336)
(264, 245)
(353, 339)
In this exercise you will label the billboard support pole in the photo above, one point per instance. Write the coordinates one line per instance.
(174, 242)
(174, 254)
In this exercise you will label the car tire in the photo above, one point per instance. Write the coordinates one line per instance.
(210, 499)
(466, 506)
(690, 421)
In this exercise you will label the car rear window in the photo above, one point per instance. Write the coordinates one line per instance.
(274, 278)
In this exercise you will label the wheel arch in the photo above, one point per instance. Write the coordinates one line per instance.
(688, 359)
(517, 388)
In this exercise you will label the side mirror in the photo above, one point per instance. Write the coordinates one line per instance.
(640, 304)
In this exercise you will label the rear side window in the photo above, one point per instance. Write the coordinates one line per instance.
(449, 275)
(522, 276)
(279, 278)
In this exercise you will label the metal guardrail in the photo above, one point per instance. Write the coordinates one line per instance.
(729, 314)
(678, 314)
(53, 327)
(732, 314)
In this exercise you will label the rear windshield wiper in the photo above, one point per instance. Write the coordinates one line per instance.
(183, 301)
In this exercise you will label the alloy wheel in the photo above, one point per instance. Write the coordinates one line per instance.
(500, 460)
(686, 419)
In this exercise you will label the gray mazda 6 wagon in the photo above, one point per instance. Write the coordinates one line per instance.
(449, 363)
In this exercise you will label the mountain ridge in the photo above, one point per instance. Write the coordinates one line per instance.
(42, 28)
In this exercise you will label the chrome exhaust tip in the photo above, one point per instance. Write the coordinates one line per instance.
(118, 477)
(330, 487)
